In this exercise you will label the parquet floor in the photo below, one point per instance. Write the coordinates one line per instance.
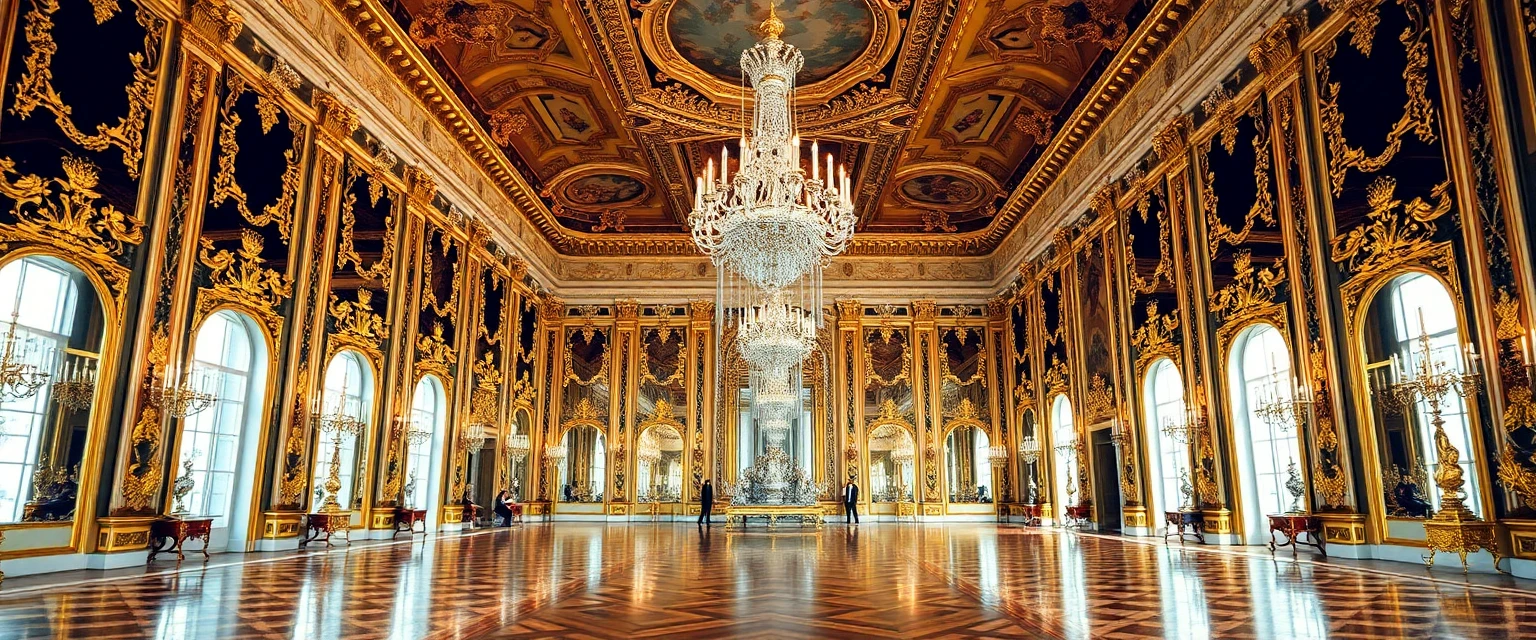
(580, 580)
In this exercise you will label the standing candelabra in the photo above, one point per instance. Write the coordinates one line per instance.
(1285, 409)
(181, 394)
(1185, 432)
(1454, 528)
(338, 423)
(76, 384)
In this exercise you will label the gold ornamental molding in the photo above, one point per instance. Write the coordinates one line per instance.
(392, 46)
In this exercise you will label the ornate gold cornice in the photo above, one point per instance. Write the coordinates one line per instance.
(336, 119)
(391, 45)
(214, 23)
(420, 186)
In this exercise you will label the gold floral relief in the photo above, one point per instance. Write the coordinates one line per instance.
(434, 354)
(1251, 288)
(346, 251)
(1363, 19)
(1218, 106)
(35, 86)
(225, 187)
(1154, 338)
(1394, 232)
(64, 214)
(1163, 272)
(356, 325)
(1418, 115)
(1517, 477)
(241, 278)
(1263, 207)
(429, 300)
(141, 478)
(1100, 400)
(290, 491)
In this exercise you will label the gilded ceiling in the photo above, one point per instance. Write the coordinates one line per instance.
(608, 107)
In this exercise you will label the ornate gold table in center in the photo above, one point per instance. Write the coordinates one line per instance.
(738, 515)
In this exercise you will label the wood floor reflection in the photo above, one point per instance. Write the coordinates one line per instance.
(583, 580)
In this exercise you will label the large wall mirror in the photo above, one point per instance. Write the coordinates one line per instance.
(53, 332)
(1030, 446)
(1409, 310)
(891, 451)
(659, 454)
(968, 469)
(584, 469)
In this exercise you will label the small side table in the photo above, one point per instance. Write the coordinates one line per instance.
(1076, 516)
(1184, 524)
(327, 524)
(1293, 525)
(407, 519)
(170, 533)
(1031, 513)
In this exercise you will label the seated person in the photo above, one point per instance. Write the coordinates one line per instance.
(503, 507)
(1411, 501)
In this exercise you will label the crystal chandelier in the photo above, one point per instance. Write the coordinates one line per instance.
(649, 450)
(555, 454)
(19, 377)
(768, 223)
(997, 454)
(473, 438)
(517, 447)
(775, 335)
(903, 453)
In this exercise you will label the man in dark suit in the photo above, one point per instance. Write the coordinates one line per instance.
(707, 502)
(851, 503)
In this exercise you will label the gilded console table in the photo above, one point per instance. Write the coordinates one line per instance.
(328, 524)
(739, 515)
(168, 534)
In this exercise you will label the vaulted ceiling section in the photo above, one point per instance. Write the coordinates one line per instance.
(607, 108)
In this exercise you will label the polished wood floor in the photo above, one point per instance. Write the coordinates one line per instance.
(578, 580)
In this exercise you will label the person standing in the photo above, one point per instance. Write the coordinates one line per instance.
(851, 503)
(707, 502)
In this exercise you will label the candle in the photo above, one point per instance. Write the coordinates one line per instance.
(709, 176)
(1421, 321)
(698, 192)
(815, 175)
(1396, 369)
(725, 165)
(829, 168)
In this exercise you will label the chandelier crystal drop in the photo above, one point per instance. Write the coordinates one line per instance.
(768, 222)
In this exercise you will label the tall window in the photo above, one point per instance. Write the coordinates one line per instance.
(426, 413)
(348, 382)
(1421, 305)
(1260, 371)
(1164, 403)
(1062, 433)
(42, 295)
(223, 358)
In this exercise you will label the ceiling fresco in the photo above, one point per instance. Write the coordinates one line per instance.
(609, 107)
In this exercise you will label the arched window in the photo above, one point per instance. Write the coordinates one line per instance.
(1260, 370)
(1163, 395)
(429, 414)
(1421, 305)
(348, 391)
(39, 295)
(1063, 433)
(224, 361)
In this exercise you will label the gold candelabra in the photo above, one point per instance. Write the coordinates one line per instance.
(20, 377)
(338, 423)
(1454, 528)
(1029, 450)
(179, 396)
(76, 385)
(1285, 409)
(1185, 432)
(472, 439)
